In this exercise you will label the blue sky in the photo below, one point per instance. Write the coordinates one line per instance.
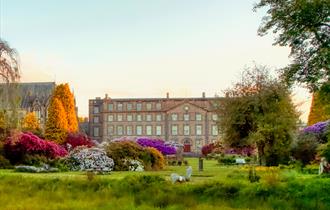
(139, 48)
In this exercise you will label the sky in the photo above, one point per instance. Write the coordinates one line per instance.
(140, 48)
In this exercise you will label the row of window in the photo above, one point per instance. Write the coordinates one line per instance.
(149, 117)
(150, 130)
(130, 106)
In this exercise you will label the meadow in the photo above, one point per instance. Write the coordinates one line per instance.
(216, 187)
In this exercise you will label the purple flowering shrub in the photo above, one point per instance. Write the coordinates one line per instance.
(157, 144)
(319, 130)
(126, 153)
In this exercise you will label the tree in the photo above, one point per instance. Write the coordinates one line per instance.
(57, 124)
(317, 111)
(62, 92)
(258, 111)
(30, 122)
(9, 76)
(304, 26)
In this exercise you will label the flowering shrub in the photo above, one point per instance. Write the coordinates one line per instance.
(134, 165)
(207, 149)
(78, 139)
(319, 130)
(83, 158)
(18, 146)
(157, 144)
(157, 158)
(121, 151)
(240, 151)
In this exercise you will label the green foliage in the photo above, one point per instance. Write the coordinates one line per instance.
(122, 151)
(283, 189)
(4, 162)
(303, 25)
(324, 151)
(253, 177)
(259, 111)
(34, 160)
(304, 148)
(226, 159)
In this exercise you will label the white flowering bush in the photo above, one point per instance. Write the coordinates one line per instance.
(134, 165)
(87, 159)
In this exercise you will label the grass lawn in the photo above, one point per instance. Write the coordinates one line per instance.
(216, 187)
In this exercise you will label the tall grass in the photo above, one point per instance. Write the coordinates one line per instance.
(154, 192)
(214, 188)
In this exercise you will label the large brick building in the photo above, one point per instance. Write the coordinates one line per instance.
(189, 121)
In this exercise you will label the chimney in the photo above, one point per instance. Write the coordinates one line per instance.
(167, 95)
(203, 94)
(106, 96)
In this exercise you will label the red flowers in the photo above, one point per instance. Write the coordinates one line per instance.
(78, 139)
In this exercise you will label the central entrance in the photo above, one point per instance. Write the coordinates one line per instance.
(187, 145)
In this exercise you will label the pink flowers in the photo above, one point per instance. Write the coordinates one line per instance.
(78, 140)
(23, 144)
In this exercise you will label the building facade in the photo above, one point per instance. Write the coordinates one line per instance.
(189, 121)
(33, 97)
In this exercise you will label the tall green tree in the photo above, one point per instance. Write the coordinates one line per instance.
(304, 26)
(258, 111)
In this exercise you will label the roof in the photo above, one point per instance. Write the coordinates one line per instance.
(39, 92)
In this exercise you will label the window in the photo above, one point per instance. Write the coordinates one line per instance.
(174, 117)
(138, 106)
(214, 117)
(186, 117)
(119, 117)
(119, 130)
(129, 117)
(110, 130)
(139, 130)
(198, 130)
(120, 107)
(158, 117)
(138, 117)
(198, 117)
(149, 106)
(158, 106)
(174, 130)
(149, 117)
(110, 107)
(158, 130)
(186, 130)
(129, 107)
(214, 130)
(96, 119)
(199, 144)
(96, 131)
(96, 110)
(149, 130)
(129, 130)
(110, 118)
